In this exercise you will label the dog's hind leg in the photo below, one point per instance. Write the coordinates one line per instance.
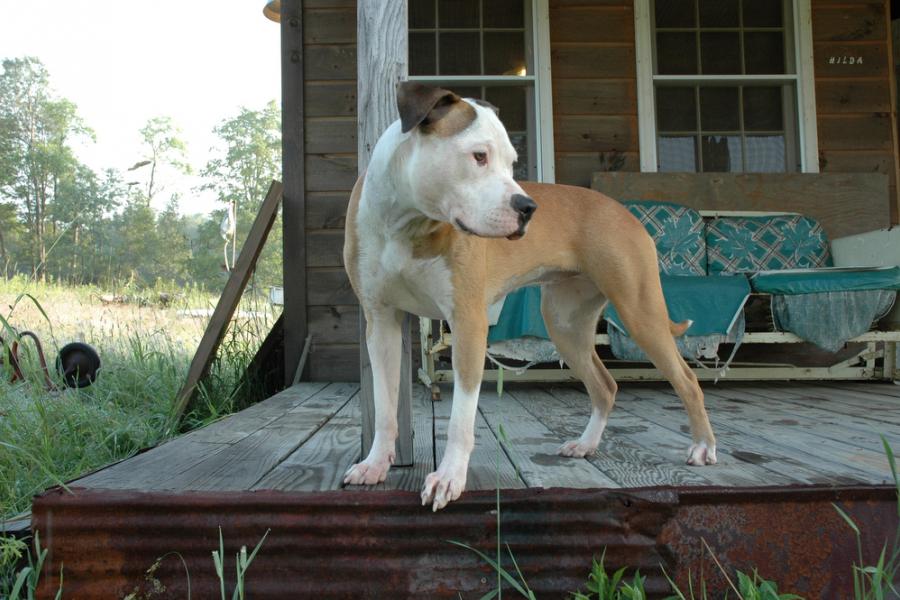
(571, 309)
(644, 314)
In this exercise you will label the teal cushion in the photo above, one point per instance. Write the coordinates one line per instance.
(521, 315)
(712, 303)
(678, 232)
(835, 279)
(750, 244)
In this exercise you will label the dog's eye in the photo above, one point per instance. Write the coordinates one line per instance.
(480, 158)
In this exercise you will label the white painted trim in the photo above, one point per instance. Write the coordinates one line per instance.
(643, 50)
(807, 133)
(543, 91)
(806, 87)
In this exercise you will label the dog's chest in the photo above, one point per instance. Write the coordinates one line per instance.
(422, 286)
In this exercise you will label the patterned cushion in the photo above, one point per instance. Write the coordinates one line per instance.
(750, 244)
(678, 233)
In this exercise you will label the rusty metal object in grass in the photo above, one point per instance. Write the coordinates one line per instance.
(77, 363)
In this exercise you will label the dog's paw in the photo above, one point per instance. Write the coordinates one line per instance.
(700, 454)
(577, 449)
(443, 486)
(368, 472)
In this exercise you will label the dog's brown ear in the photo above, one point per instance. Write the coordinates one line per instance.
(429, 108)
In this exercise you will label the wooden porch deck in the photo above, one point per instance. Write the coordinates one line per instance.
(304, 438)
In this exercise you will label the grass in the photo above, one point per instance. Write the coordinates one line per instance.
(51, 437)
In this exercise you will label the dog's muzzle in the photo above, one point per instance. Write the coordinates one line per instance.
(524, 207)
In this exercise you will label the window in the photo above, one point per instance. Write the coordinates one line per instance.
(490, 49)
(726, 87)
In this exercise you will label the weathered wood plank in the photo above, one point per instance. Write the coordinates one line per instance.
(796, 455)
(325, 248)
(594, 96)
(600, 133)
(382, 38)
(857, 161)
(180, 454)
(330, 62)
(618, 457)
(839, 96)
(329, 25)
(484, 469)
(863, 22)
(330, 172)
(326, 210)
(670, 442)
(242, 465)
(855, 132)
(330, 135)
(532, 447)
(320, 463)
(608, 24)
(329, 286)
(844, 203)
(330, 98)
(334, 324)
(328, 362)
(575, 61)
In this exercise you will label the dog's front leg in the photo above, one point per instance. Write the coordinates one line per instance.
(469, 345)
(383, 339)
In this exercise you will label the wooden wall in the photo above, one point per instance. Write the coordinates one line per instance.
(329, 29)
(594, 88)
(854, 89)
(595, 125)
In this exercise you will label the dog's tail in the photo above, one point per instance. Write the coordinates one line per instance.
(678, 329)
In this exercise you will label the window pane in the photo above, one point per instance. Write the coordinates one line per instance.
(676, 109)
(504, 13)
(675, 13)
(764, 52)
(458, 13)
(520, 143)
(720, 53)
(504, 53)
(421, 14)
(765, 154)
(421, 54)
(467, 92)
(719, 109)
(721, 153)
(719, 13)
(511, 102)
(763, 109)
(763, 13)
(460, 54)
(676, 53)
(677, 154)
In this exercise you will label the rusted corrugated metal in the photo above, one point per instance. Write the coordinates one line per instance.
(384, 545)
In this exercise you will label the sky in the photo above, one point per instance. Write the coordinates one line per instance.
(125, 61)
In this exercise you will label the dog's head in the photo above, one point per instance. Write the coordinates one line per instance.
(460, 164)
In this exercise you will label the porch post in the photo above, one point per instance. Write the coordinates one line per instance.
(381, 51)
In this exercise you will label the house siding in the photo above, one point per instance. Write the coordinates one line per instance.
(595, 125)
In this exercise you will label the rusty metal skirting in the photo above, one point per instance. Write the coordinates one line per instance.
(372, 544)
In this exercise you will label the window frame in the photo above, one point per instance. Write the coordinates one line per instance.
(803, 79)
(540, 112)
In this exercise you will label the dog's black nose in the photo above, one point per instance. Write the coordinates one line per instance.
(523, 205)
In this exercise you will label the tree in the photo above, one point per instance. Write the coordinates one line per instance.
(163, 147)
(35, 130)
(248, 159)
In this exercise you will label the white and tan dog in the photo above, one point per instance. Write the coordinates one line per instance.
(432, 229)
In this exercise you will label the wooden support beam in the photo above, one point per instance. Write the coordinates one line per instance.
(381, 52)
(294, 210)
